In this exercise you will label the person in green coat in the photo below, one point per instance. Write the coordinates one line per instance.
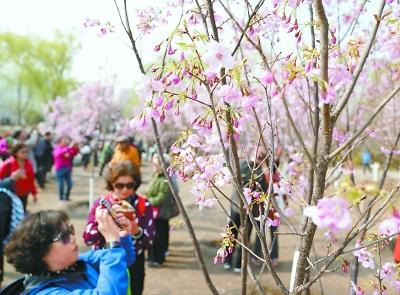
(160, 197)
(106, 155)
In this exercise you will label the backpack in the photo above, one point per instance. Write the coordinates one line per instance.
(17, 212)
(168, 210)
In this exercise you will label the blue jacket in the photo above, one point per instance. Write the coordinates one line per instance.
(103, 272)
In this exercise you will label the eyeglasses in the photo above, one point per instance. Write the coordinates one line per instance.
(64, 236)
(120, 185)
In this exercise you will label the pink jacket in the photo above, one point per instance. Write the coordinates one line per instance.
(63, 156)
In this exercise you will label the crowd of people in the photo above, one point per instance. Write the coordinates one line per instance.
(122, 226)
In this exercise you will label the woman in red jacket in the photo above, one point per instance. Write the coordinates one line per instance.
(19, 161)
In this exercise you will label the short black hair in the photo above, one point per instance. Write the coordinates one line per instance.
(31, 241)
(17, 133)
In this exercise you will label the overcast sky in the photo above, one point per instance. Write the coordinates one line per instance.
(99, 56)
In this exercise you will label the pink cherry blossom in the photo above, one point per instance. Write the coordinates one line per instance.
(159, 101)
(248, 194)
(157, 47)
(387, 271)
(221, 255)
(339, 136)
(147, 86)
(365, 257)
(328, 97)
(139, 124)
(218, 56)
(276, 221)
(174, 79)
(228, 93)
(331, 213)
(211, 75)
(91, 22)
(169, 105)
(357, 290)
(391, 225)
(193, 140)
(267, 78)
(206, 202)
(249, 102)
(154, 113)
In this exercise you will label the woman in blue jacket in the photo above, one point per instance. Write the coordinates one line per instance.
(44, 248)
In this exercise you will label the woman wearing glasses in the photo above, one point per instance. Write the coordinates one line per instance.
(44, 248)
(122, 181)
(19, 161)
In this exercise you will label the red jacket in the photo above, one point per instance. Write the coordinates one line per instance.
(396, 254)
(23, 186)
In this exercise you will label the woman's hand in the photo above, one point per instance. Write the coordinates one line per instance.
(17, 174)
(107, 226)
(128, 225)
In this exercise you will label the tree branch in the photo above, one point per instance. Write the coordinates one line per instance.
(369, 121)
(349, 90)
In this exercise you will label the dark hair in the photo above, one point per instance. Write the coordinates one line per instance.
(16, 148)
(16, 134)
(31, 241)
(123, 168)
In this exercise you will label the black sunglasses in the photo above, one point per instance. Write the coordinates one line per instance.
(64, 236)
(120, 185)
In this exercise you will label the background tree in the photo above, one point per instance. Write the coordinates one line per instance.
(38, 70)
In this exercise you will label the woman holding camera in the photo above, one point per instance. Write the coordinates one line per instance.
(44, 248)
(122, 181)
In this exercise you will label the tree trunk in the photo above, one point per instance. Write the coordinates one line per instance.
(19, 106)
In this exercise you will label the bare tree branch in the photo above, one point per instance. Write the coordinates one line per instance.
(349, 90)
(367, 123)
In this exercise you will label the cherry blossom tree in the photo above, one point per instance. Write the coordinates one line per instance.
(244, 78)
(89, 109)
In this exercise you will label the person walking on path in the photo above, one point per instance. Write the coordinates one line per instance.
(86, 152)
(63, 155)
(281, 201)
(164, 208)
(258, 182)
(38, 151)
(124, 151)
(106, 155)
(19, 161)
(122, 182)
(366, 161)
(48, 155)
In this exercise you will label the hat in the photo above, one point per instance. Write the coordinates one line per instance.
(122, 138)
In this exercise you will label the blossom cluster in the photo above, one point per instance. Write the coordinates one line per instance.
(330, 213)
